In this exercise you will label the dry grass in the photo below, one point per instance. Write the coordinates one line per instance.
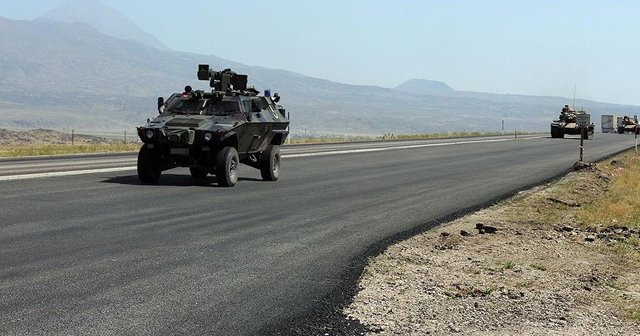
(633, 313)
(329, 139)
(446, 135)
(62, 149)
(621, 204)
(391, 136)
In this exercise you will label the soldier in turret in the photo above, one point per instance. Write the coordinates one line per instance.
(188, 92)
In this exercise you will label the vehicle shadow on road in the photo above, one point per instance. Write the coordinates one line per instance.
(174, 180)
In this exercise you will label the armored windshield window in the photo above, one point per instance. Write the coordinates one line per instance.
(181, 105)
(223, 107)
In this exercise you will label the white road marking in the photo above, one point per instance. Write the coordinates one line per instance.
(335, 152)
(379, 149)
(64, 173)
(60, 162)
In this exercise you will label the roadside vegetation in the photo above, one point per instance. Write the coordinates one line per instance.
(38, 142)
(48, 142)
(64, 149)
(392, 136)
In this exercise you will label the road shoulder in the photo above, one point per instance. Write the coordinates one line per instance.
(530, 264)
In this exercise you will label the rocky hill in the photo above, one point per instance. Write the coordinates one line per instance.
(103, 18)
(56, 74)
(423, 86)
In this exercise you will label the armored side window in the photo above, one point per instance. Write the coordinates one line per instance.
(258, 104)
(246, 104)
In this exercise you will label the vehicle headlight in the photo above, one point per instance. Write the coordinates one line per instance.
(149, 134)
(208, 136)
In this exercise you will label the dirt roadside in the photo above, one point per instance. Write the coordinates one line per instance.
(540, 263)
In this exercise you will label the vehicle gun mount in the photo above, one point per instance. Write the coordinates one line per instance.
(225, 80)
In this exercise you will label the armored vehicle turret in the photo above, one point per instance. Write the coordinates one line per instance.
(213, 131)
(627, 125)
(567, 124)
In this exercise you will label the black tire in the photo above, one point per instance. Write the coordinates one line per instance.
(620, 130)
(270, 163)
(556, 133)
(227, 164)
(149, 165)
(197, 173)
(588, 135)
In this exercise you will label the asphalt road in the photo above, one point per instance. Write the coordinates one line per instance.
(99, 253)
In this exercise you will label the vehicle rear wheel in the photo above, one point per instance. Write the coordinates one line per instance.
(270, 163)
(198, 173)
(620, 130)
(149, 165)
(227, 164)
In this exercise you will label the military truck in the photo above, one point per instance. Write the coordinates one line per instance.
(212, 132)
(627, 125)
(567, 124)
(608, 123)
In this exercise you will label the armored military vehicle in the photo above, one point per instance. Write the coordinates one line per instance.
(212, 132)
(567, 124)
(627, 125)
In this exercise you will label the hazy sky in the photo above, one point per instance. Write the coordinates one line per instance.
(540, 47)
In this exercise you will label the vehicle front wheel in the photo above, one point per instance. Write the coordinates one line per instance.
(149, 165)
(227, 164)
(270, 163)
(556, 133)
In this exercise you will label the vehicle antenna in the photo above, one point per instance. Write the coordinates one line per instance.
(573, 105)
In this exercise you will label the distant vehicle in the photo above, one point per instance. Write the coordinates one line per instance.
(567, 123)
(608, 123)
(213, 132)
(627, 125)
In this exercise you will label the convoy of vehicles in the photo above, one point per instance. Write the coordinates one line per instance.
(212, 132)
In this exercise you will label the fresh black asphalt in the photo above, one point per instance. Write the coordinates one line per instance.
(102, 254)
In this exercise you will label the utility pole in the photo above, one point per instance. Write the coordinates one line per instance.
(581, 142)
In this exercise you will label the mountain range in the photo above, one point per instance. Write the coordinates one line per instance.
(74, 68)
